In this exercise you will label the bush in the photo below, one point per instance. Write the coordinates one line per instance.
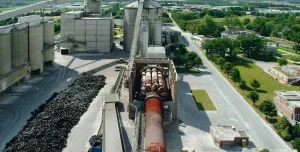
(264, 150)
(285, 134)
(296, 143)
(282, 62)
(254, 96)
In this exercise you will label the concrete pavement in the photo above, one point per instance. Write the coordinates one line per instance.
(263, 134)
(15, 110)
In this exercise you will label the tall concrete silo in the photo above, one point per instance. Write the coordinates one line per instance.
(26, 40)
(36, 47)
(48, 41)
(5, 53)
(94, 6)
(152, 12)
(17, 48)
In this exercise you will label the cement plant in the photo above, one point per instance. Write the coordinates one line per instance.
(96, 83)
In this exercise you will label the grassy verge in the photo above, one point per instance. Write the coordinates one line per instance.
(203, 100)
(288, 50)
(249, 71)
(185, 70)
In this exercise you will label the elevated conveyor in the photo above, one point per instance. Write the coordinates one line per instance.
(136, 32)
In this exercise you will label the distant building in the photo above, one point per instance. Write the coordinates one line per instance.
(288, 104)
(228, 136)
(286, 74)
(233, 33)
(169, 35)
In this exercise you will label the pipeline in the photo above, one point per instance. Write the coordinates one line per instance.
(154, 137)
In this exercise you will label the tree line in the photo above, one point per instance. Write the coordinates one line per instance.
(182, 57)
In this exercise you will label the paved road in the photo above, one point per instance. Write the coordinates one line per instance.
(260, 131)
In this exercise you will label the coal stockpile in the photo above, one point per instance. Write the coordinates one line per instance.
(48, 128)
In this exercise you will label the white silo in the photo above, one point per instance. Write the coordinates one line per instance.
(152, 10)
(94, 6)
(130, 13)
(5, 53)
(157, 32)
(36, 47)
(17, 48)
(26, 34)
(48, 41)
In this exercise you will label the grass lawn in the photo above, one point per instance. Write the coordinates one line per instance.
(7, 9)
(185, 70)
(203, 100)
(249, 71)
(288, 50)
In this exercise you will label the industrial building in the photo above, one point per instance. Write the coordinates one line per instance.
(288, 104)
(87, 31)
(286, 74)
(25, 46)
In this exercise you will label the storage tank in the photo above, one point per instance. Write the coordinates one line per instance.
(151, 11)
(94, 6)
(26, 32)
(48, 40)
(36, 47)
(157, 32)
(5, 53)
(130, 13)
(17, 47)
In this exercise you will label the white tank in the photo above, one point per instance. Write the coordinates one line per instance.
(145, 40)
(94, 6)
(26, 44)
(5, 53)
(49, 54)
(157, 32)
(17, 47)
(129, 23)
(36, 46)
(49, 40)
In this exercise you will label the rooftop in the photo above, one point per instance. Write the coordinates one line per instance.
(290, 71)
(289, 95)
(226, 132)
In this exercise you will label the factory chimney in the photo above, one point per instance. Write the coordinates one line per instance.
(93, 6)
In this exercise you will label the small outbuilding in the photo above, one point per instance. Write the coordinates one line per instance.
(228, 136)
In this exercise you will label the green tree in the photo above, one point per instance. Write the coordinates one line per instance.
(193, 60)
(282, 62)
(268, 108)
(254, 96)
(283, 123)
(296, 143)
(235, 75)
(246, 21)
(264, 150)
(227, 67)
(243, 85)
(255, 84)
(251, 45)
(296, 130)
(220, 61)
(285, 134)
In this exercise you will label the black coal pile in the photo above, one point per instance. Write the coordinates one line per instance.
(48, 128)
